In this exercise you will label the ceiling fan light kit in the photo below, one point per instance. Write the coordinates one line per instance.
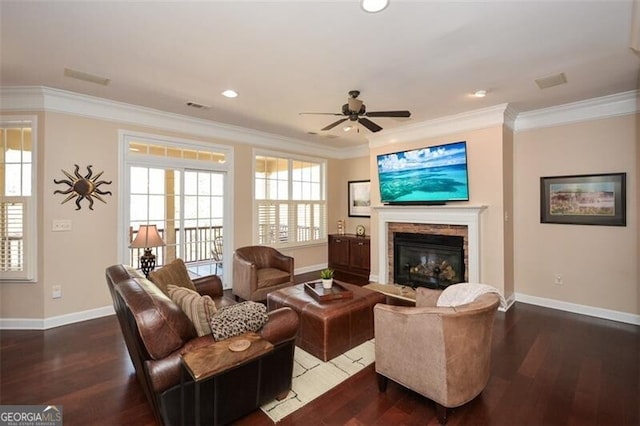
(355, 110)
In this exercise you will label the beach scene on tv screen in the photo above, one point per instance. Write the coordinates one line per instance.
(424, 175)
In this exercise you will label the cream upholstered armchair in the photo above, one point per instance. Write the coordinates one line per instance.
(259, 270)
(442, 353)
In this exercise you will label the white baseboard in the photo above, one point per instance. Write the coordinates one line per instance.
(510, 302)
(57, 321)
(66, 319)
(312, 268)
(579, 309)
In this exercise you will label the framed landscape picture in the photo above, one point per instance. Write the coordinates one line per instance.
(584, 199)
(359, 198)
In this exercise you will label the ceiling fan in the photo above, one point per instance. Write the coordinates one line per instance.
(355, 110)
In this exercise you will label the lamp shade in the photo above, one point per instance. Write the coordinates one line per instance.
(147, 236)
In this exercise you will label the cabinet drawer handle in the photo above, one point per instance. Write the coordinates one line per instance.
(360, 244)
(338, 241)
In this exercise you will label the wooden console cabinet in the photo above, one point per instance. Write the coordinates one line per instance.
(350, 258)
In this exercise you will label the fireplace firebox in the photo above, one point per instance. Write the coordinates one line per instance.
(428, 260)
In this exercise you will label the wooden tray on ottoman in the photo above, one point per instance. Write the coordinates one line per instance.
(321, 294)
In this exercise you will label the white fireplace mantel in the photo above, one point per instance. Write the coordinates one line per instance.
(468, 216)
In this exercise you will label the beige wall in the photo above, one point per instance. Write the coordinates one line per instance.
(598, 263)
(76, 260)
(485, 155)
(636, 182)
(343, 172)
(507, 192)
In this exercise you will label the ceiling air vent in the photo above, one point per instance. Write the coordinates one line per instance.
(84, 76)
(553, 80)
(197, 105)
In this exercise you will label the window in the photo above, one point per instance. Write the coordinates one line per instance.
(290, 203)
(17, 201)
(180, 188)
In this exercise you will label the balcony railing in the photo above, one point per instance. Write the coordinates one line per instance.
(199, 242)
(198, 246)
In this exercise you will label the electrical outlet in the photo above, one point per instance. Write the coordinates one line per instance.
(557, 279)
(60, 225)
(56, 291)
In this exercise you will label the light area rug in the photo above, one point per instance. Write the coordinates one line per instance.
(312, 377)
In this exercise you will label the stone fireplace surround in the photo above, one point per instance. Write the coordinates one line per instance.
(452, 220)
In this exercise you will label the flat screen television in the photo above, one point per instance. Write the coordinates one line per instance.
(430, 175)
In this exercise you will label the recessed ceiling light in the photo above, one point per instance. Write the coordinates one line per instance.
(347, 128)
(229, 93)
(374, 6)
(480, 93)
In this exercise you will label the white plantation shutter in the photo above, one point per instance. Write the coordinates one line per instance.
(309, 221)
(267, 220)
(15, 262)
(290, 205)
(273, 222)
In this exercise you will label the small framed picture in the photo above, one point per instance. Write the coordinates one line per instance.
(359, 198)
(584, 199)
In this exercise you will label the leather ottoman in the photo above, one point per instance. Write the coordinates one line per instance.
(328, 329)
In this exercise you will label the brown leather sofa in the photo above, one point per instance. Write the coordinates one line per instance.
(259, 270)
(157, 332)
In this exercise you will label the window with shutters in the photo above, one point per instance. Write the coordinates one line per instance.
(17, 201)
(290, 202)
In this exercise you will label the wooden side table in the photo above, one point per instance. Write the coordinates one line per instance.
(206, 363)
(399, 294)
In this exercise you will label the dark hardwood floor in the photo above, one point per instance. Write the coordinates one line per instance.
(548, 368)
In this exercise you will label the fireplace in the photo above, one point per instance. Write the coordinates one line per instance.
(463, 220)
(428, 260)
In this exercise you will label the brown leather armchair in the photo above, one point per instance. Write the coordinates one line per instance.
(157, 332)
(442, 353)
(259, 270)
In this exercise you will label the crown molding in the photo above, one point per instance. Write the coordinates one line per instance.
(38, 98)
(591, 109)
(466, 121)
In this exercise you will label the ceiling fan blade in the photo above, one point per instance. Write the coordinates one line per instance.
(388, 114)
(320, 113)
(334, 124)
(369, 124)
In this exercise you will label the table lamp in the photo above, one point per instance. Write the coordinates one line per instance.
(146, 238)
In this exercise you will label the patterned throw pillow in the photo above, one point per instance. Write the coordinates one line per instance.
(237, 319)
(174, 273)
(199, 309)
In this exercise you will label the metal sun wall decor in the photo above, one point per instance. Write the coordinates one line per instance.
(82, 187)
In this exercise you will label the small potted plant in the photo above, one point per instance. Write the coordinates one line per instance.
(326, 275)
